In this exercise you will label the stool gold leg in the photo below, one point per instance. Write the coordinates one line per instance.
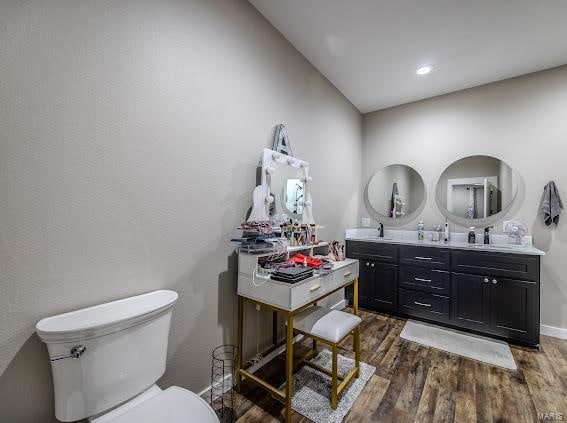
(334, 371)
(239, 344)
(357, 350)
(289, 367)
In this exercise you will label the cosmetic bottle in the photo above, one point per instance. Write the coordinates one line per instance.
(472, 235)
(313, 234)
(434, 234)
(420, 231)
(446, 236)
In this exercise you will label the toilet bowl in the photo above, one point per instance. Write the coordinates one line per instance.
(106, 359)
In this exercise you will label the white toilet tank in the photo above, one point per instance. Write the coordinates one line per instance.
(121, 348)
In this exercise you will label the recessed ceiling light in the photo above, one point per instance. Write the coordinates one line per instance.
(424, 70)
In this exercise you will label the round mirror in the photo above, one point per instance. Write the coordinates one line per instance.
(395, 192)
(476, 189)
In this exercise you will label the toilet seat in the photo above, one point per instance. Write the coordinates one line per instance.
(174, 405)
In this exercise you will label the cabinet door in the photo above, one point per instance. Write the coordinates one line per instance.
(385, 295)
(366, 283)
(470, 303)
(514, 308)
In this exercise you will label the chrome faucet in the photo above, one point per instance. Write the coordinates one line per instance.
(381, 230)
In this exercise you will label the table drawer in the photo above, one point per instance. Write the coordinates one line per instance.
(345, 274)
(431, 257)
(424, 279)
(313, 288)
(421, 304)
(376, 251)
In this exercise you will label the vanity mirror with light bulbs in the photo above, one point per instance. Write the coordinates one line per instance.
(283, 192)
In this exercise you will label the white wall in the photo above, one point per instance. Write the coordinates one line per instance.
(130, 137)
(522, 121)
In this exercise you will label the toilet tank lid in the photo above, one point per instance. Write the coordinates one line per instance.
(105, 318)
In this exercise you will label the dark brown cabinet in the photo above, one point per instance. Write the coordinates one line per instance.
(490, 293)
(513, 308)
(470, 304)
(386, 286)
(377, 285)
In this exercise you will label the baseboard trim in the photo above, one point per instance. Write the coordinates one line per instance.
(206, 393)
(553, 331)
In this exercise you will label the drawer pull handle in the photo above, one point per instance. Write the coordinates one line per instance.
(348, 274)
(423, 258)
(422, 304)
(422, 280)
(315, 288)
(494, 281)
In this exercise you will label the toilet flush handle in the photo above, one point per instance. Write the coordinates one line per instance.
(76, 352)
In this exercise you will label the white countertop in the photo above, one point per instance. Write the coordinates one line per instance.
(457, 241)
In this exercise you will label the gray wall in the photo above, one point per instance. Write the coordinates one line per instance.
(522, 121)
(130, 137)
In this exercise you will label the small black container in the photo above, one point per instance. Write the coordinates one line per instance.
(472, 236)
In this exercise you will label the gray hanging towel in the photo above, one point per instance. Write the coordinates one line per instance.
(471, 209)
(395, 193)
(551, 204)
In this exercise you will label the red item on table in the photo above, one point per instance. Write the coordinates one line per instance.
(311, 261)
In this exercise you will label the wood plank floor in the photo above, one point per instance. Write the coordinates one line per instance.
(413, 383)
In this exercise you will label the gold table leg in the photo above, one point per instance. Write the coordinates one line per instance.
(289, 367)
(239, 344)
(355, 297)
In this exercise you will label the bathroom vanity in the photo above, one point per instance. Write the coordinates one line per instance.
(491, 290)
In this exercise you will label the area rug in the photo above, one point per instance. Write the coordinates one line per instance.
(312, 389)
(476, 347)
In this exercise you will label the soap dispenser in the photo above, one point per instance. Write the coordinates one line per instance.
(420, 231)
(487, 235)
(472, 235)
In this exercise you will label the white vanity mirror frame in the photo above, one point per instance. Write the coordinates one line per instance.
(387, 220)
(262, 193)
(484, 221)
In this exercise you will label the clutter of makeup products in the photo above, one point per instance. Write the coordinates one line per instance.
(290, 252)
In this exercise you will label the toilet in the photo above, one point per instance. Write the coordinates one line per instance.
(107, 358)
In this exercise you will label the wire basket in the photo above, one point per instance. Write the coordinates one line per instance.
(223, 368)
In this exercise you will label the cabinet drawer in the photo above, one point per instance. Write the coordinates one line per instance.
(421, 304)
(513, 266)
(431, 257)
(424, 279)
(365, 250)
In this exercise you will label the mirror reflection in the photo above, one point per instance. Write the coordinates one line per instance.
(476, 187)
(395, 191)
(294, 195)
(288, 189)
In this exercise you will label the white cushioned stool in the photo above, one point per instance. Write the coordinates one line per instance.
(331, 327)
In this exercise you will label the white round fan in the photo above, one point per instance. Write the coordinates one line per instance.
(516, 229)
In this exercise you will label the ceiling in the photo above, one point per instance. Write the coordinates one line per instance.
(370, 49)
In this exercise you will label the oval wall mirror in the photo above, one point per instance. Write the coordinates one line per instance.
(395, 193)
(476, 190)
